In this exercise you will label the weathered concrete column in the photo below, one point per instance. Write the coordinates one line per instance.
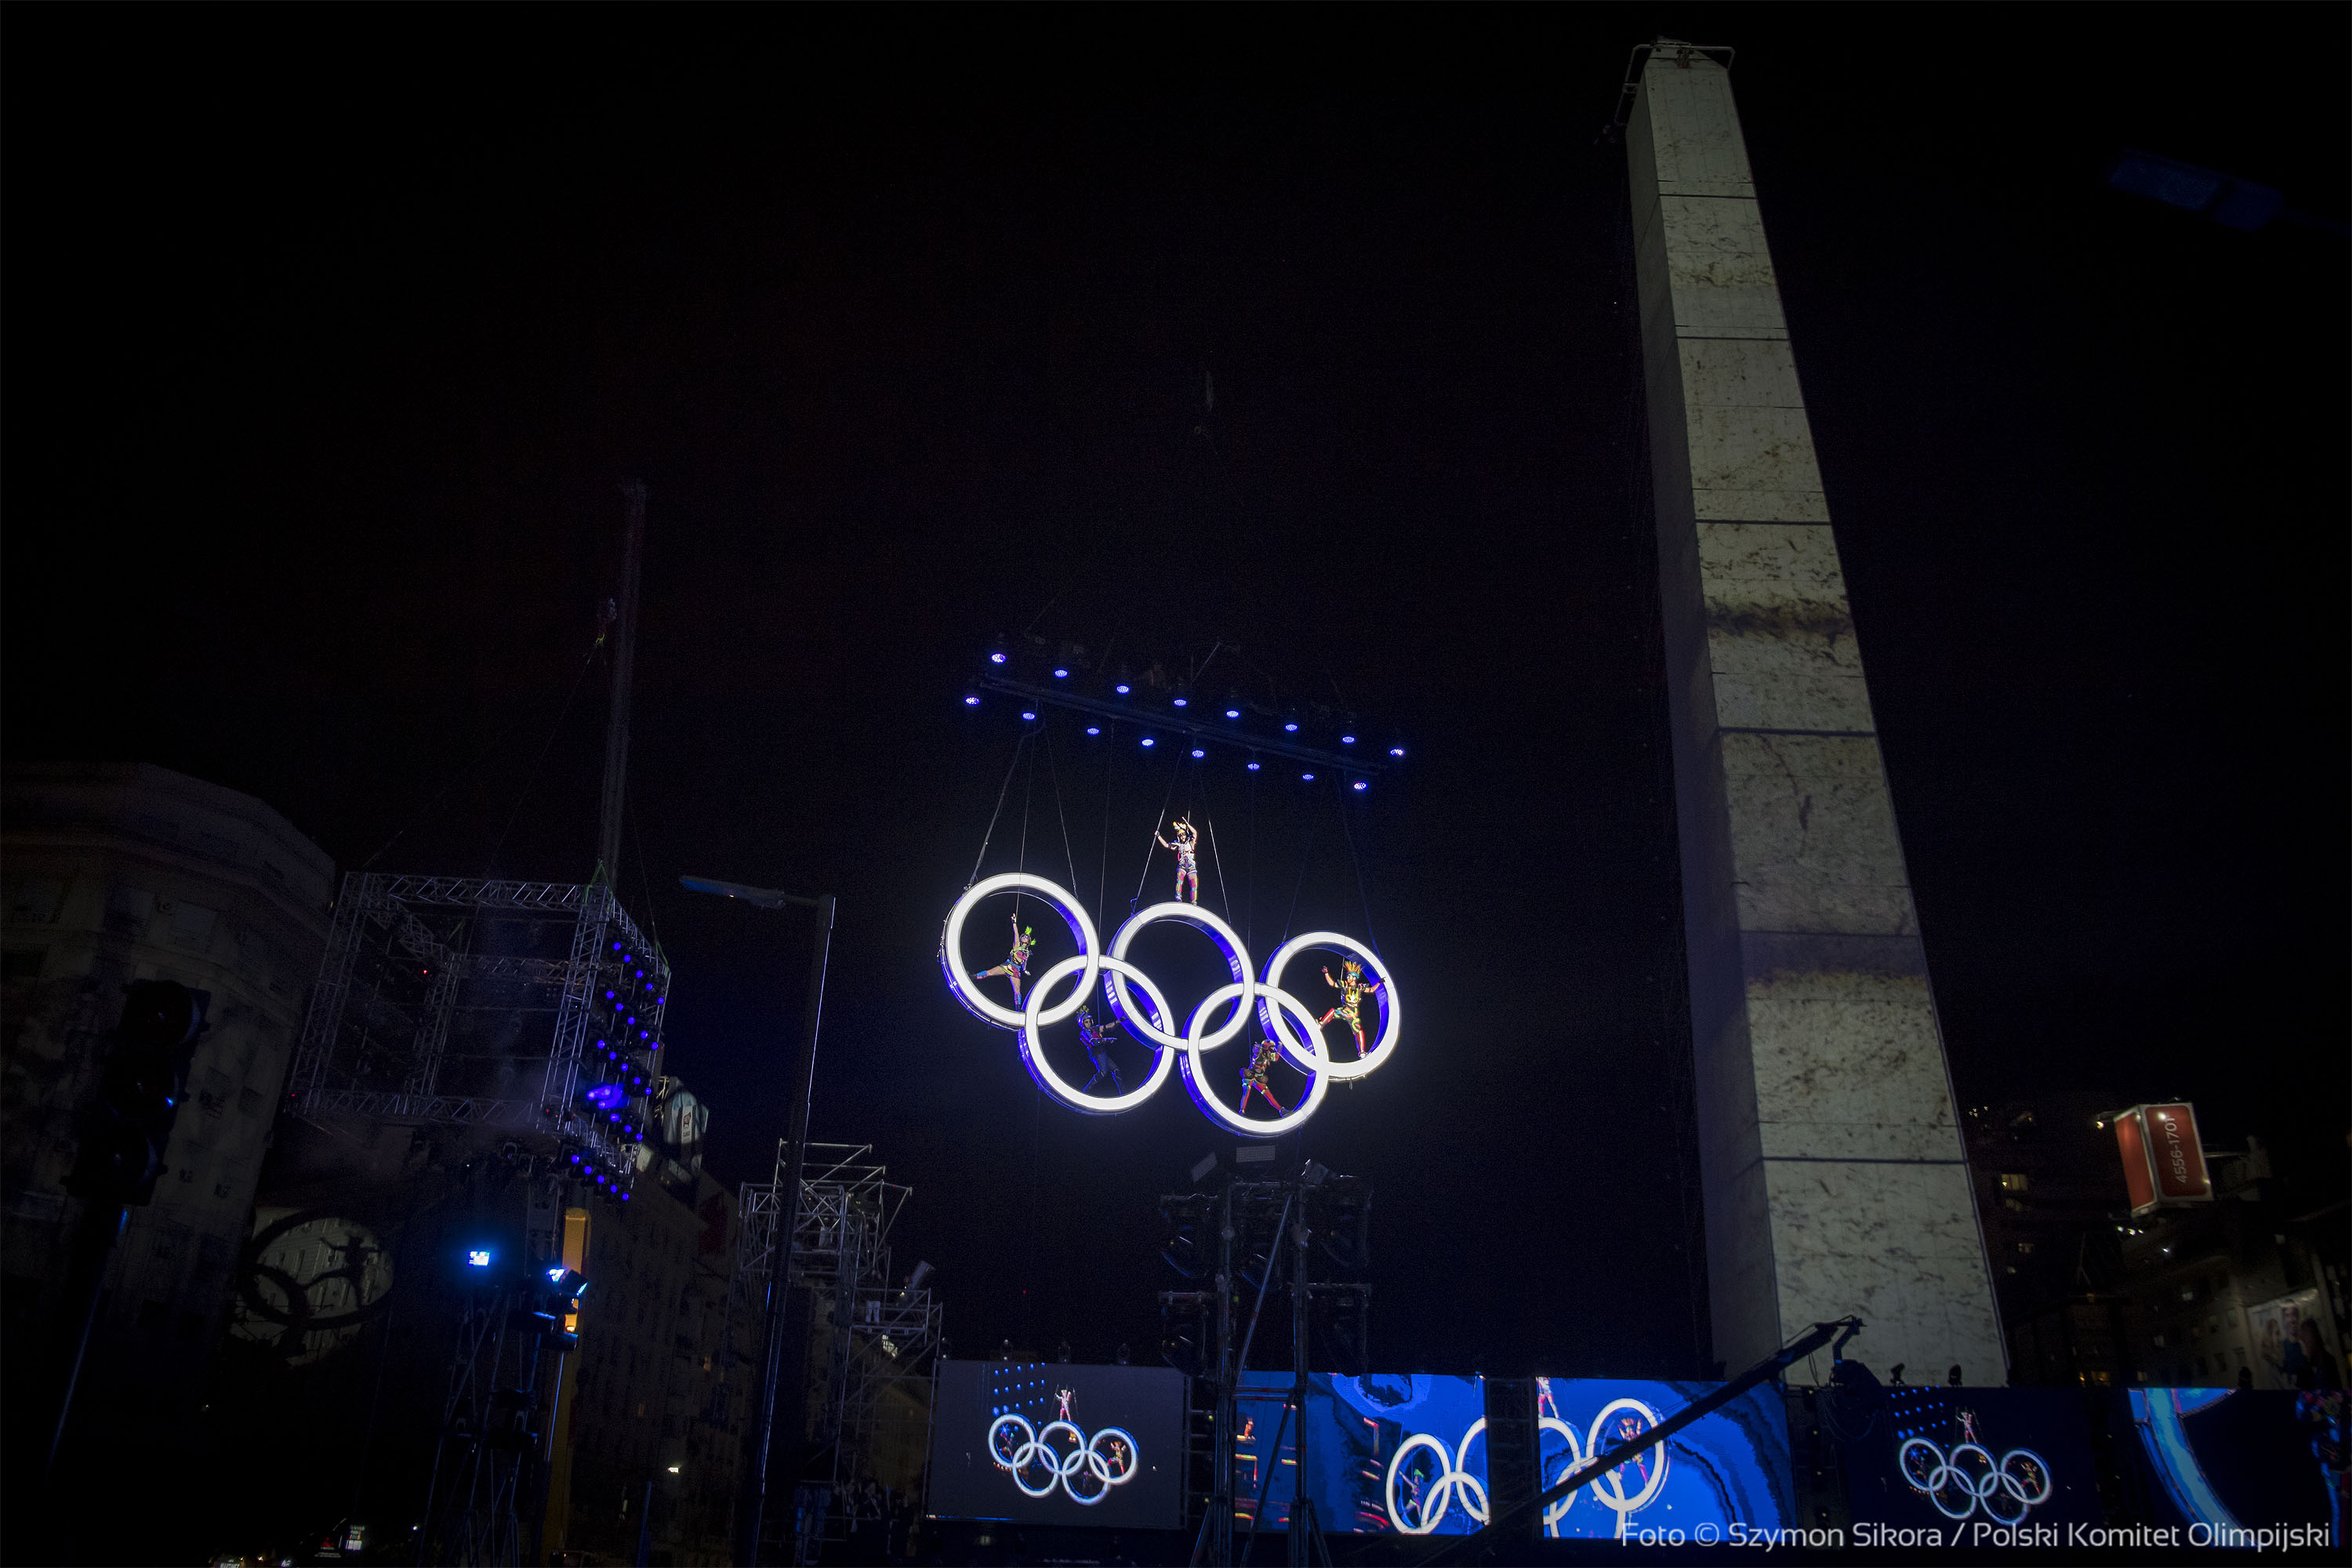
(1835, 1177)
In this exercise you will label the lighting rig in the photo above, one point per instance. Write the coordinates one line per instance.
(1187, 713)
(620, 1071)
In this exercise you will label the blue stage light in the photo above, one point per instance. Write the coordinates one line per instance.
(575, 1159)
(616, 947)
(1308, 777)
(1122, 688)
(1347, 739)
(1094, 729)
(1291, 727)
(996, 659)
(1198, 752)
(605, 1096)
(1180, 702)
(1253, 764)
(614, 1117)
(624, 1197)
(970, 702)
(1061, 675)
(479, 1258)
(1233, 713)
(1358, 785)
(1029, 714)
(1148, 741)
(1396, 751)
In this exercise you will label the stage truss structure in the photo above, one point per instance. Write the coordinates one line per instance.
(461, 1000)
(873, 1340)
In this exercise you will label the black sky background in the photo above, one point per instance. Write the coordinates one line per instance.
(330, 335)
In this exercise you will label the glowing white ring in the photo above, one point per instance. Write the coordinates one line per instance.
(1455, 1472)
(1625, 1508)
(959, 978)
(1196, 1080)
(1555, 1512)
(1229, 942)
(1392, 1016)
(1032, 1049)
(1289, 1022)
(1981, 1492)
(1085, 1457)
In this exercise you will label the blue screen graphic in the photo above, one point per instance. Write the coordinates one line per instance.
(1406, 1454)
(1948, 1458)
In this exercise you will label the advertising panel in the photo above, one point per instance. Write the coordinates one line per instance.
(2240, 1466)
(1054, 1443)
(1950, 1459)
(2294, 1341)
(1406, 1454)
(2163, 1161)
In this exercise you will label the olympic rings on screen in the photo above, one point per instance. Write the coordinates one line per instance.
(1453, 1472)
(1094, 1468)
(1138, 1003)
(1987, 1483)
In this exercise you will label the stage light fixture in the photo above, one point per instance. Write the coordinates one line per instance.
(1029, 714)
(1148, 741)
(996, 659)
(1061, 675)
(477, 1257)
(1122, 688)
(1198, 752)
(624, 1197)
(1094, 729)
(1253, 764)
(1347, 739)
(1233, 713)
(1182, 702)
(1290, 727)
(1396, 751)
(971, 700)
(1358, 785)
(1308, 778)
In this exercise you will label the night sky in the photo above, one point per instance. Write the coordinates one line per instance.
(332, 335)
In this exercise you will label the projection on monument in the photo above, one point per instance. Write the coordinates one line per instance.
(1406, 1454)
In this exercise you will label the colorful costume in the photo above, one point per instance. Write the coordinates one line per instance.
(1095, 1040)
(1352, 991)
(1188, 857)
(1014, 966)
(1254, 1077)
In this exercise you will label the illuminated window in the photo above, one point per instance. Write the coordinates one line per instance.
(2013, 1182)
(2025, 1246)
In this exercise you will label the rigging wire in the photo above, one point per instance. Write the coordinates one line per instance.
(1053, 773)
(1152, 837)
(981, 859)
(1362, 896)
(1102, 868)
(532, 777)
(1223, 901)
(1305, 856)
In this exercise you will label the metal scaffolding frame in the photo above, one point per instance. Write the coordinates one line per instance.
(425, 1007)
(879, 1338)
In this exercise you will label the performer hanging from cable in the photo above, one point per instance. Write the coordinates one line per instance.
(1095, 1041)
(1352, 991)
(1254, 1077)
(1017, 964)
(1187, 850)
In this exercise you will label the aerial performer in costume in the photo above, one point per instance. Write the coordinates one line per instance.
(1352, 991)
(1254, 1077)
(1015, 964)
(1095, 1040)
(1188, 857)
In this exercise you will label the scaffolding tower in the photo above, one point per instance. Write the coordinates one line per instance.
(462, 1001)
(873, 1341)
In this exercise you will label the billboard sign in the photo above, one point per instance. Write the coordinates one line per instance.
(1406, 1455)
(1054, 1443)
(2163, 1161)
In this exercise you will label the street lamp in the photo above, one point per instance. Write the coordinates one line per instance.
(753, 1503)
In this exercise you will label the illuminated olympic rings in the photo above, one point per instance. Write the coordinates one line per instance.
(1149, 1019)
(1085, 1462)
(1608, 1489)
(1985, 1482)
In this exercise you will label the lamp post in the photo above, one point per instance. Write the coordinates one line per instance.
(753, 1506)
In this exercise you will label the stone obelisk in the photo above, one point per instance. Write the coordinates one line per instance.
(1835, 1177)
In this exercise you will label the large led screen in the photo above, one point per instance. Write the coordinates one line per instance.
(2237, 1467)
(1406, 1454)
(1970, 1463)
(1053, 1443)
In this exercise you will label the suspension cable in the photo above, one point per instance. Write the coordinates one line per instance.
(980, 859)
(1152, 837)
(1362, 896)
